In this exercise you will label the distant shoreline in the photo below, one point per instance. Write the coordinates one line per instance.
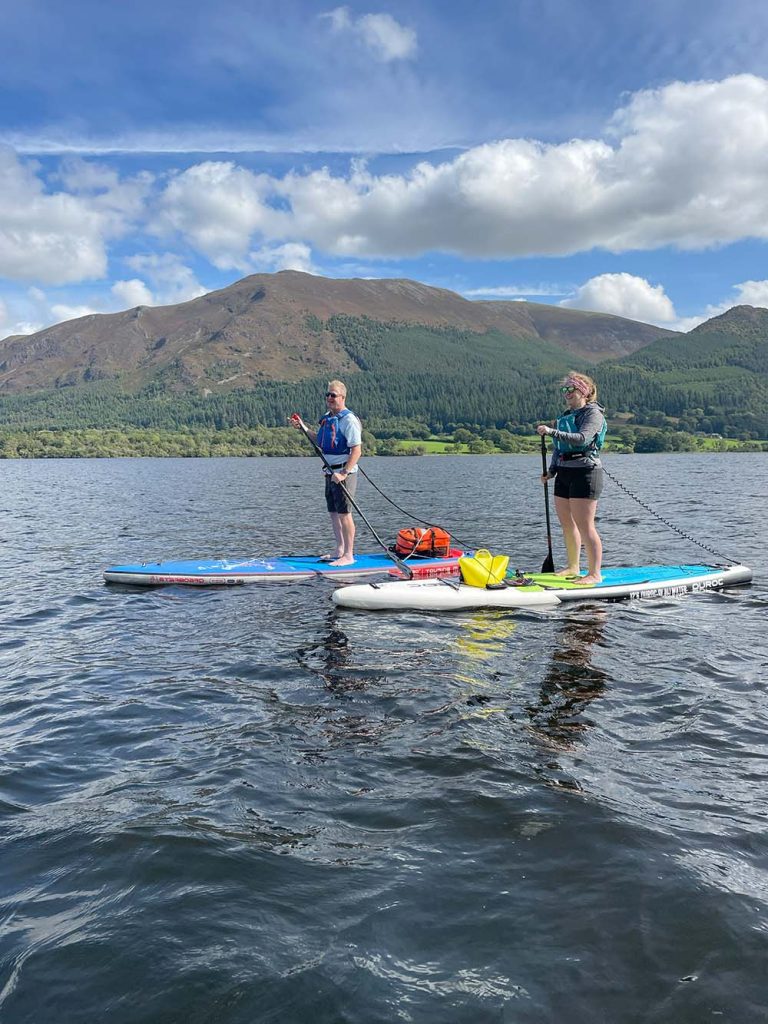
(273, 442)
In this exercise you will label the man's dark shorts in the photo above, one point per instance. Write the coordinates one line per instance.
(335, 498)
(579, 482)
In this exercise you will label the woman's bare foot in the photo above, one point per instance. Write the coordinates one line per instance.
(343, 560)
(590, 579)
(568, 572)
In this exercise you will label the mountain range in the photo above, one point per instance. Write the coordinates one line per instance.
(265, 346)
(271, 327)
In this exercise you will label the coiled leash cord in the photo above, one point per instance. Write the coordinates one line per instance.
(666, 522)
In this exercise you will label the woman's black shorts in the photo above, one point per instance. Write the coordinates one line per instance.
(579, 482)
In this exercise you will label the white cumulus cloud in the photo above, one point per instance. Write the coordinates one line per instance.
(290, 256)
(637, 299)
(385, 37)
(682, 166)
(59, 237)
(752, 293)
(216, 207)
(132, 293)
(624, 295)
(748, 293)
(172, 280)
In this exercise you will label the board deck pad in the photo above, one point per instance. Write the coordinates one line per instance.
(203, 572)
(624, 576)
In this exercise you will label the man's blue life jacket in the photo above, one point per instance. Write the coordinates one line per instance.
(330, 438)
(567, 423)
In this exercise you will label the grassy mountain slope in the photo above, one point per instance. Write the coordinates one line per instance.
(274, 327)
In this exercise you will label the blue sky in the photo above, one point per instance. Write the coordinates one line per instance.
(599, 155)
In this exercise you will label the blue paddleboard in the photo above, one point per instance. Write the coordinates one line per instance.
(268, 570)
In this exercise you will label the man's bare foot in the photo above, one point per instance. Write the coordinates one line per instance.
(590, 579)
(568, 572)
(342, 560)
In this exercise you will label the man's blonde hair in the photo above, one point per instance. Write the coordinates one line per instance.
(338, 386)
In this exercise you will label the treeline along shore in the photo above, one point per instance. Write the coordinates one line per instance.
(277, 441)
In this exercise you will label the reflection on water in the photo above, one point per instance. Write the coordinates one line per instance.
(572, 681)
(484, 636)
(482, 640)
(329, 656)
(558, 718)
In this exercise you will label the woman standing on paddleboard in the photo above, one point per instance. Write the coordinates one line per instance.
(578, 475)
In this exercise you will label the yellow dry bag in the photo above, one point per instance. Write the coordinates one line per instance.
(483, 569)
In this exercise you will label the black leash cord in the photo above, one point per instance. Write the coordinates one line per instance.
(619, 484)
(687, 536)
(459, 541)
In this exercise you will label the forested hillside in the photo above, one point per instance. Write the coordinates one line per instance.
(440, 378)
(713, 379)
(274, 327)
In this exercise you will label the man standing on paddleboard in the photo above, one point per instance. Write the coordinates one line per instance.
(339, 437)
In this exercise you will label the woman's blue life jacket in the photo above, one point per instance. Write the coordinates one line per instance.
(331, 439)
(569, 424)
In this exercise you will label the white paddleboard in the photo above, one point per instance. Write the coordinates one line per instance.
(545, 590)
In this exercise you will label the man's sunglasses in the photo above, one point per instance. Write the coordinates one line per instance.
(332, 394)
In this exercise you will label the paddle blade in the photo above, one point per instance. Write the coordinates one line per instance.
(548, 565)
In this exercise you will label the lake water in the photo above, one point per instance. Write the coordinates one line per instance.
(241, 805)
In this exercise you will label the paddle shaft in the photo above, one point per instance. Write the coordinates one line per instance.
(405, 569)
(549, 562)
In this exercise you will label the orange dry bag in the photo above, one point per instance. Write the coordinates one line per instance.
(429, 542)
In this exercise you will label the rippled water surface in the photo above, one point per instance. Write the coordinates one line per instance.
(240, 805)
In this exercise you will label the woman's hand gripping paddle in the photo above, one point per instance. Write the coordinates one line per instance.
(549, 563)
(405, 569)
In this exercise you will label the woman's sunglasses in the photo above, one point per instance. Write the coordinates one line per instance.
(569, 390)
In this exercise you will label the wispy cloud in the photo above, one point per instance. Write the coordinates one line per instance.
(385, 37)
(147, 77)
(511, 291)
